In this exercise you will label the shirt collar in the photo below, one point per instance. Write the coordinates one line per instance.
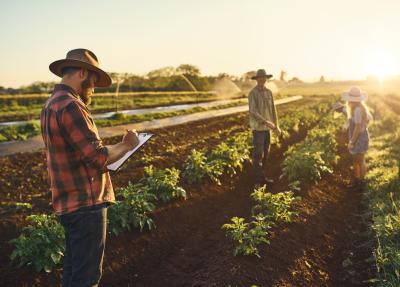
(63, 87)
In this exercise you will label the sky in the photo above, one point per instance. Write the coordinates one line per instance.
(341, 39)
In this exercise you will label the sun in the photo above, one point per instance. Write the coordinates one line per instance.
(379, 64)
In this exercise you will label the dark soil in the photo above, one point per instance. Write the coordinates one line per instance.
(188, 247)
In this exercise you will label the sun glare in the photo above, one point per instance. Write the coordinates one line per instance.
(380, 65)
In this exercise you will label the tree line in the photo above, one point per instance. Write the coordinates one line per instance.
(185, 77)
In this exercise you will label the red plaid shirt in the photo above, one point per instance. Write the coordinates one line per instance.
(76, 156)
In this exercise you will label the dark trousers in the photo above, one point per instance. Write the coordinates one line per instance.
(261, 144)
(85, 238)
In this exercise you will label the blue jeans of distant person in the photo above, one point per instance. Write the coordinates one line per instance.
(85, 238)
(261, 144)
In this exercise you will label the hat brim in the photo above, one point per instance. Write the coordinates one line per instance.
(56, 68)
(265, 76)
(349, 98)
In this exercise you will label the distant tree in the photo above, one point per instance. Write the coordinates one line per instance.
(226, 76)
(162, 72)
(322, 79)
(187, 69)
(222, 75)
(114, 76)
(282, 76)
(37, 88)
(295, 80)
(131, 81)
(247, 76)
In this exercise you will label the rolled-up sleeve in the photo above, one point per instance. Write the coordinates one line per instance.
(274, 112)
(81, 133)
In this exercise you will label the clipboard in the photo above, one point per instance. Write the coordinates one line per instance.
(143, 137)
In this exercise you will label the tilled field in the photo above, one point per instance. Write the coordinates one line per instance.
(188, 247)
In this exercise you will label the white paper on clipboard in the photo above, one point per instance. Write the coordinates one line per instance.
(143, 137)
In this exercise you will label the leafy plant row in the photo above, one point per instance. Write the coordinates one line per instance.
(229, 156)
(269, 209)
(21, 107)
(32, 128)
(41, 243)
(19, 132)
(383, 197)
(308, 160)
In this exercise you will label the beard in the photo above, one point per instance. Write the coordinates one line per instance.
(87, 91)
(86, 96)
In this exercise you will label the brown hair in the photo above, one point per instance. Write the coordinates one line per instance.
(69, 71)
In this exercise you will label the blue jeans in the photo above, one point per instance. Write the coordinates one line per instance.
(85, 238)
(261, 144)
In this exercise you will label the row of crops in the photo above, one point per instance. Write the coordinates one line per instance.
(32, 128)
(304, 162)
(23, 107)
(41, 243)
(383, 200)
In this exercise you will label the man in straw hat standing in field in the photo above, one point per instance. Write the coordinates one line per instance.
(77, 165)
(263, 118)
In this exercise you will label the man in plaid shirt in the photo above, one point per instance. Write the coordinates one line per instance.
(77, 165)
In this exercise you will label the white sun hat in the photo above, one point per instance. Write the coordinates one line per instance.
(354, 95)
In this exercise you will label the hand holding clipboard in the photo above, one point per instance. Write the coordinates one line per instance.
(143, 137)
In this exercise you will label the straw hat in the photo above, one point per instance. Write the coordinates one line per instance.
(81, 58)
(261, 74)
(354, 95)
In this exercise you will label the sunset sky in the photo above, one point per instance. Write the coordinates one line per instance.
(342, 39)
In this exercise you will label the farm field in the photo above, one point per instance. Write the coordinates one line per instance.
(30, 129)
(28, 107)
(192, 88)
(324, 245)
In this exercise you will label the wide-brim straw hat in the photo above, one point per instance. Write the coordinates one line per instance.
(354, 95)
(261, 74)
(81, 58)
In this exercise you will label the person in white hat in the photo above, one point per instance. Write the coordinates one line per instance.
(263, 118)
(358, 118)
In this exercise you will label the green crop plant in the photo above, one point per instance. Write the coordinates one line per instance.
(316, 155)
(230, 157)
(132, 210)
(41, 244)
(197, 166)
(275, 207)
(19, 132)
(302, 164)
(248, 236)
(163, 183)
